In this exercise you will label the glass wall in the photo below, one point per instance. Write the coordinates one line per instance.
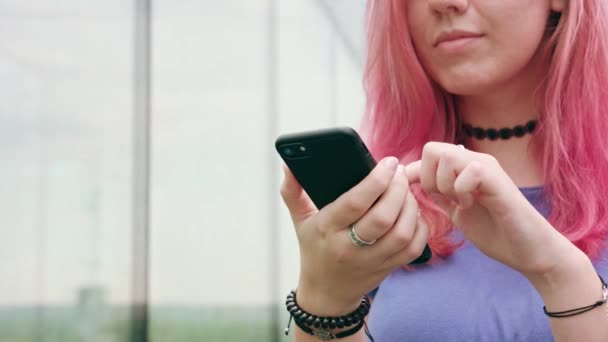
(210, 225)
(65, 170)
(227, 78)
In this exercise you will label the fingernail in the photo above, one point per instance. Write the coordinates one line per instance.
(391, 162)
(400, 169)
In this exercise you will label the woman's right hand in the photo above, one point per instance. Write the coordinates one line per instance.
(334, 272)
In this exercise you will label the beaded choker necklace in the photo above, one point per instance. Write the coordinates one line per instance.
(502, 133)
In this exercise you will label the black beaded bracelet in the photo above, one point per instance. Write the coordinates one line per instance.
(320, 326)
(325, 335)
(578, 311)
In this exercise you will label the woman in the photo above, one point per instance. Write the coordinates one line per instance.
(516, 215)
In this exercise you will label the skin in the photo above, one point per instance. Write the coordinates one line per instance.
(494, 81)
(476, 186)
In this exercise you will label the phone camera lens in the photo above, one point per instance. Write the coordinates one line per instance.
(289, 152)
(294, 150)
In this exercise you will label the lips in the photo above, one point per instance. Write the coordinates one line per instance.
(448, 36)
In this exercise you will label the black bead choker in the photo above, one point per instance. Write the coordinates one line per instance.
(503, 133)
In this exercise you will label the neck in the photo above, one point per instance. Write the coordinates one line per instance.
(511, 104)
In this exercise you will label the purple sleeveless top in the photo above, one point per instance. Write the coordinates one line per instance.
(468, 297)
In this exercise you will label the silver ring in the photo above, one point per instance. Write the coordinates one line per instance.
(356, 239)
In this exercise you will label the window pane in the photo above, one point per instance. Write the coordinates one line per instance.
(210, 211)
(65, 138)
(66, 74)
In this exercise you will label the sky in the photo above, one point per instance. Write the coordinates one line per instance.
(66, 129)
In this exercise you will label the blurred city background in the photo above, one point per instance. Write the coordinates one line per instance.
(139, 196)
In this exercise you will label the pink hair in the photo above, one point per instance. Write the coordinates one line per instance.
(405, 109)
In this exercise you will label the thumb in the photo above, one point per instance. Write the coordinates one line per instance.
(299, 204)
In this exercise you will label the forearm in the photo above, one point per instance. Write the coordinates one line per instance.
(575, 285)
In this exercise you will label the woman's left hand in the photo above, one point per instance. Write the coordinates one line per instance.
(490, 210)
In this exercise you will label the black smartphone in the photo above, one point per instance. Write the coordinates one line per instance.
(329, 162)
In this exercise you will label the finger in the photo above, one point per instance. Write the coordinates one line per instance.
(383, 214)
(446, 175)
(467, 183)
(433, 153)
(452, 159)
(297, 201)
(353, 204)
(428, 168)
(412, 171)
(491, 177)
(402, 233)
(411, 251)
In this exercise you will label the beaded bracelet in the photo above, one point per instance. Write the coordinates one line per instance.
(578, 311)
(320, 326)
(326, 335)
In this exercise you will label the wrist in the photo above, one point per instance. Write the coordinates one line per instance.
(571, 265)
(574, 283)
(322, 304)
(327, 327)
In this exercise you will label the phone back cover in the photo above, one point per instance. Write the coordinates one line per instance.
(336, 161)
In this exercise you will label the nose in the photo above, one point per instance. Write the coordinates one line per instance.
(449, 6)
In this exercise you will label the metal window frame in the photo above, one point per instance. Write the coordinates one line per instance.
(142, 83)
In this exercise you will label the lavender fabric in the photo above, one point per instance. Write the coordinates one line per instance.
(468, 297)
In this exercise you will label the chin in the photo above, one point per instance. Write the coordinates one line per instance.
(468, 88)
(466, 85)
